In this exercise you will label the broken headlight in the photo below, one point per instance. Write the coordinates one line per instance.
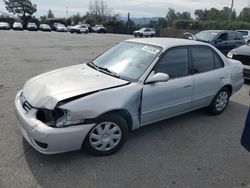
(57, 118)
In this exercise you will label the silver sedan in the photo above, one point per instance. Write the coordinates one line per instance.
(138, 82)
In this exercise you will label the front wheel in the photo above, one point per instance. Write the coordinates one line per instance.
(108, 135)
(219, 102)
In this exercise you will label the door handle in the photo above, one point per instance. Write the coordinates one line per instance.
(187, 86)
(221, 78)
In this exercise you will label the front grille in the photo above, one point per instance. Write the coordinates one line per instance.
(245, 60)
(25, 105)
(246, 73)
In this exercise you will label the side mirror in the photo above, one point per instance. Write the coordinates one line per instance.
(218, 41)
(158, 77)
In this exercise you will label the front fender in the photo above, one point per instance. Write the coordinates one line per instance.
(121, 98)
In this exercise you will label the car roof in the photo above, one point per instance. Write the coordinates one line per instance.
(167, 42)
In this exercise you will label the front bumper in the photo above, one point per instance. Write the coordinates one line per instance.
(39, 135)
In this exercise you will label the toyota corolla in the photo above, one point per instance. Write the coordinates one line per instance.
(137, 82)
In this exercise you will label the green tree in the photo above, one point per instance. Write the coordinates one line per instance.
(50, 14)
(23, 8)
(171, 16)
(245, 15)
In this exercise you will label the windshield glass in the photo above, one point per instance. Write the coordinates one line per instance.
(128, 59)
(206, 36)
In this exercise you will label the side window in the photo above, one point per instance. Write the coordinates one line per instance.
(204, 59)
(232, 36)
(223, 37)
(174, 63)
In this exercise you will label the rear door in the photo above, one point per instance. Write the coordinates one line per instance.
(209, 75)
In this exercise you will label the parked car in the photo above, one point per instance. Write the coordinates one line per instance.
(246, 34)
(89, 27)
(188, 35)
(145, 32)
(79, 29)
(4, 26)
(242, 54)
(55, 25)
(99, 29)
(32, 26)
(61, 28)
(137, 82)
(224, 40)
(17, 26)
(45, 27)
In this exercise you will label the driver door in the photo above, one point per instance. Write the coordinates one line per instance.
(164, 99)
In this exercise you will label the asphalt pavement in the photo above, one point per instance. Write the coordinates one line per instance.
(194, 150)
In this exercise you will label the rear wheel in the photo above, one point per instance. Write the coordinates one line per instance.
(108, 135)
(141, 35)
(219, 102)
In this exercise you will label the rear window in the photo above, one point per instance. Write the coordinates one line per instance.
(244, 33)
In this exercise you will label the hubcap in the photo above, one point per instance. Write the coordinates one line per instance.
(221, 101)
(105, 136)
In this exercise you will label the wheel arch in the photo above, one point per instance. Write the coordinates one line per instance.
(123, 113)
(229, 87)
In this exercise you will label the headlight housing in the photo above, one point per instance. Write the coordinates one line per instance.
(66, 120)
(230, 55)
(57, 118)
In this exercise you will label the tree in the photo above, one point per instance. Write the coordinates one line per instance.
(23, 8)
(99, 10)
(171, 16)
(245, 15)
(50, 14)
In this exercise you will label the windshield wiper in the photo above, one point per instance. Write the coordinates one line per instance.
(91, 64)
(102, 69)
(112, 73)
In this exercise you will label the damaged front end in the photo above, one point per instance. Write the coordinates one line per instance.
(57, 118)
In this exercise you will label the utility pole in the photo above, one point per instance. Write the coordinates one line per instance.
(67, 12)
(231, 11)
(128, 21)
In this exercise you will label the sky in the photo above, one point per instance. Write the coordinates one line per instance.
(137, 8)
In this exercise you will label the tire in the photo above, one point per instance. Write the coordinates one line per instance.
(135, 36)
(141, 35)
(152, 35)
(86, 32)
(219, 102)
(98, 142)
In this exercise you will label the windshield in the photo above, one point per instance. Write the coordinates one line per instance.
(206, 36)
(129, 60)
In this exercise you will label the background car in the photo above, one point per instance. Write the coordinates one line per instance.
(246, 34)
(32, 26)
(145, 32)
(61, 28)
(4, 26)
(17, 26)
(242, 54)
(89, 27)
(160, 78)
(45, 27)
(99, 29)
(79, 29)
(224, 40)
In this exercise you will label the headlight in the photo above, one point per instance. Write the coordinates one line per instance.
(66, 120)
(230, 55)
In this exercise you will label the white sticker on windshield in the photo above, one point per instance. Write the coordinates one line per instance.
(150, 49)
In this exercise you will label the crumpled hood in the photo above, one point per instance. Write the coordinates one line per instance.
(46, 90)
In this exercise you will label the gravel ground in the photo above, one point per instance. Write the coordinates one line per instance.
(191, 150)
